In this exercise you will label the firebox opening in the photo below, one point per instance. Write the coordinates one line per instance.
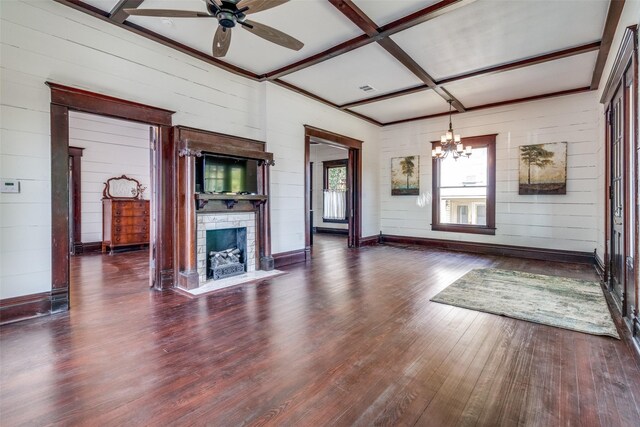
(226, 252)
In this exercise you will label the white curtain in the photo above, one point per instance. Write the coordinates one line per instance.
(335, 204)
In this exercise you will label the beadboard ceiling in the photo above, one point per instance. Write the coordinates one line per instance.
(416, 55)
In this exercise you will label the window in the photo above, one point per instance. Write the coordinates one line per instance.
(335, 191)
(464, 189)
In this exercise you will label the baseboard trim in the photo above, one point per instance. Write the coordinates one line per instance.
(370, 241)
(91, 247)
(327, 230)
(287, 258)
(24, 307)
(494, 249)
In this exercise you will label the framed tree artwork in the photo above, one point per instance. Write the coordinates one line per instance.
(543, 169)
(405, 176)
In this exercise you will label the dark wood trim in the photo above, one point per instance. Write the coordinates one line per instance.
(308, 94)
(402, 92)
(60, 199)
(527, 62)
(409, 21)
(496, 104)
(354, 179)
(565, 53)
(328, 230)
(494, 249)
(24, 307)
(291, 257)
(332, 137)
(118, 14)
(89, 247)
(396, 51)
(370, 241)
(141, 31)
(366, 24)
(611, 23)
(75, 154)
(481, 141)
(64, 99)
(621, 63)
(96, 103)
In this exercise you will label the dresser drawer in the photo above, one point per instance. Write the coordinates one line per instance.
(127, 239)
(121, 230)
(124, 211)
(131, 220)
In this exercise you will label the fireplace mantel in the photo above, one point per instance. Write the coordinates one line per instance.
(192, 143)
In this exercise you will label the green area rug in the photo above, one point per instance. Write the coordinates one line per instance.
(573, 304)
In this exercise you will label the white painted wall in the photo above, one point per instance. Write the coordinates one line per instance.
(112, 148)
(546, 221)
(41, 40)
(320, 153)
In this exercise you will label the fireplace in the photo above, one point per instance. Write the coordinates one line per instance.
(220, 231)
(226, 249)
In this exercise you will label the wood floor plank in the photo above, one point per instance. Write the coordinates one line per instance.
(342, 340)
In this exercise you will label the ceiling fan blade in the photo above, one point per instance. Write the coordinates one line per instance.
(273, 35)
(168, 13)
(259, 5)
(221, 41)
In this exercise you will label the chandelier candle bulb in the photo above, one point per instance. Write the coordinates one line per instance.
(449, 135)
(457, 139)
(433, 153)
(459, 148)
(438, 151)
(468, 150)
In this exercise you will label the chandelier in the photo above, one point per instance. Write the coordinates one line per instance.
(450, 143)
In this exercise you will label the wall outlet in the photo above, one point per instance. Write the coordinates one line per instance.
(10, 186)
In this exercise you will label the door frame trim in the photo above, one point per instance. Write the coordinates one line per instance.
(354, 176)
(626, 57)
(65, 99)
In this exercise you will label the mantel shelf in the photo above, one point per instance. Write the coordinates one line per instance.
(230, 200)
(249, 197)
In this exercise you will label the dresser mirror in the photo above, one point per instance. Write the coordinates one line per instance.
(123, 187)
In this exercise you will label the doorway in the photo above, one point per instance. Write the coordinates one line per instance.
(65, 99)
(333, 188)
(622, 197)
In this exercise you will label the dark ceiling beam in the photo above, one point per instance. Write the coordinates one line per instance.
(118, 14)
(613, 17)
(366, 24)
(141, 31)
(422, 16)
(308, 94)
(395, 94)
(348, 46)
(416, 18)
(534, 60)
(497, 104)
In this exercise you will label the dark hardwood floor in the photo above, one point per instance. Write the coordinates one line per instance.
(348, 339)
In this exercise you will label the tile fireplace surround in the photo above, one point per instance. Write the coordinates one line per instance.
(219, 221)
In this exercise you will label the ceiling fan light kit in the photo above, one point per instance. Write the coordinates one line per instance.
(229, 13)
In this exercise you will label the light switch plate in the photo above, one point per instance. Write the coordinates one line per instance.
(10, 186)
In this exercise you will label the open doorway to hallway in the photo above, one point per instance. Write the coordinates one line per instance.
(110, 188)
(329, 201)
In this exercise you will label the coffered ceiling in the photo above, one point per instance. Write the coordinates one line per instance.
(415, 55)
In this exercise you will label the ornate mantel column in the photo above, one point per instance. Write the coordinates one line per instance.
(188, 269)
(266, 260)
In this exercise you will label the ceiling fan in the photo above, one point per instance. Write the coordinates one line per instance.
(229, 13)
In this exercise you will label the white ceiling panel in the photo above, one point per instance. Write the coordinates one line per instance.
(404, 107)
(339, 79)
(489, 32)
(106, 5)
(316, 23)
(383, 12)
(554, 76)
